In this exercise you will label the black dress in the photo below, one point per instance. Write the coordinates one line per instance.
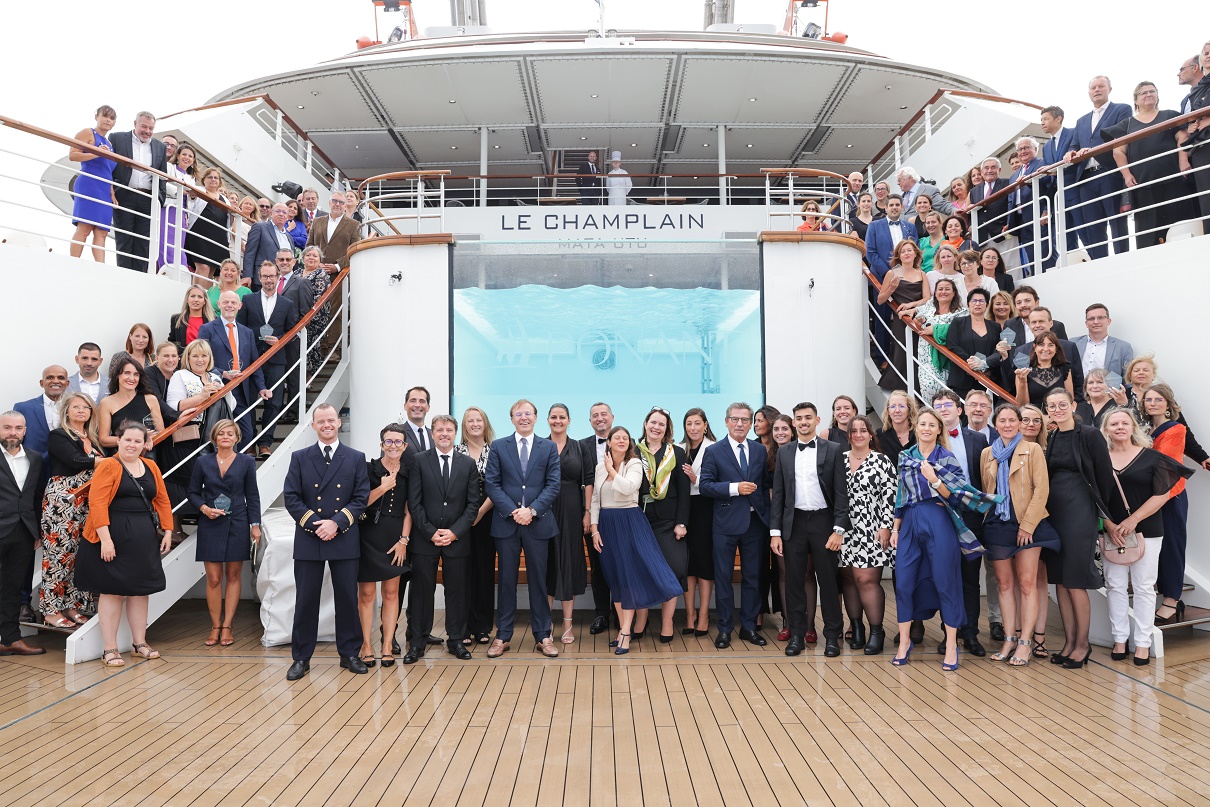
(966, 342)
(893, 377)
(137, 411)
(888, 443)
(136, 569)
(567, 566)
(1171, 185)
(700, 538)
(1088, 417)
(206, 241)
(839, 437)
(382, 526)
(1042, 380)
(1076, 459)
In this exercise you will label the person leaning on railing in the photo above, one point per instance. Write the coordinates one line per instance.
(129, 527)
(92, 193)
(175, 217)
(1197, 141)
(74, 452)
(1150, 168)
(862, 214)
(206, 244)
(906, 285)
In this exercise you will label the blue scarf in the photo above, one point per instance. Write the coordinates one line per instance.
(962, 495)
(1003, 455)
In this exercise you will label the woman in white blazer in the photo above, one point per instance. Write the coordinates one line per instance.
(700, 538)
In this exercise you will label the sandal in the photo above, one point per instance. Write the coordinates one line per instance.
(1002, 655)
(212, 639)
(1021, 661)
(485, 638)
(76, 616)
(112, 658)
(369, 660)
(229, 642)
(57, 620)
(569, 635)
(1040, 650)
(143, 649)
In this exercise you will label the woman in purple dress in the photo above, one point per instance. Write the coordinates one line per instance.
(92, 211)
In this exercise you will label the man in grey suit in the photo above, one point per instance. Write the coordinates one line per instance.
(88, 378)
(1098, 348)
(912, 186)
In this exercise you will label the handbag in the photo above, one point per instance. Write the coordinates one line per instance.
(191, 432)
(1135, 545)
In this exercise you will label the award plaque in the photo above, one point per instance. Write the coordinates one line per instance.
(266, 330)
(1113, 380)
(1020, 361)
(1010, 336)
(223, 503)
(149, 422)
(981, 360)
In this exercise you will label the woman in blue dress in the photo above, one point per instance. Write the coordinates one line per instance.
(223, 489)
(92, 212)
(930, 539)
(635, 568)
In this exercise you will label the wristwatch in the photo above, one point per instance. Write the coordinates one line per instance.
(533, 512)
(403, 539)
(935, 485)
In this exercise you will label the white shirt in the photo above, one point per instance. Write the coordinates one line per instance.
(91, 388)
(268, 302)
(601, 444)
(51, 409)
(958, 448)
(896, 228)
(283, 238)
(421, 434)
(228, 333)
(333, 223)
(140, 152)
(808, 495)
(19, 465)
(1094, 354)
(449, 462)
(733, 488)
(1096, 119)
(335, 444)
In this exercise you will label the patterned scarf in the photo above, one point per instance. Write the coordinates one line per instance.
(949, 471)
(658, 475)
(1003, 455)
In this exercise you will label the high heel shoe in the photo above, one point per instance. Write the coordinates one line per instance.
(951, 667)
(569, 634)
(1177, 615)
(1040, 650)
(1144, 661)
(618, 650)
(1116, 656)
(215, 633)
(1073, 663)
(899, 662)
(1003, 656)
(666, 639)
(859, 638)
(230, 641)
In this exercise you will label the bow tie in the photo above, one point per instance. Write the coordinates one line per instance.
(809, 444)
(953, 432)
(601, 440)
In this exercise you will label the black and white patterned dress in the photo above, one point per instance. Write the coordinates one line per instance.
(871, 508)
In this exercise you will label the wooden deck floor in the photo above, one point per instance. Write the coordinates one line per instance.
(668, 724)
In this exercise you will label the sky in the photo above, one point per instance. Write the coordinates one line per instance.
(114, 52)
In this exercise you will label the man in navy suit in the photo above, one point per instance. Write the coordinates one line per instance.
(132, 188)
(42, 413)
(268, 310)
(265, 238)
(1021, 204)
(992, 218)
(881, 238)
(292, 286)
(1098, 175)
(221, 334)
(522, 480)
(326, 490)
(1061, 141)
(733, 472)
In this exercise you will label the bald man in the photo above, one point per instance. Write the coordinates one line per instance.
(234, 348)
(42, 411)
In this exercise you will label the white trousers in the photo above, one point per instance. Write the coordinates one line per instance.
(1141, 576)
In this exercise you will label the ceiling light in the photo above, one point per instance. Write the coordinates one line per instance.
(749, 145)
(357, 147)
(594, 95)
(583, 138)
(300, 106)
(634, 145)
(705, 145)
(452, 101)
(495, 147)
(453, 147)
(848, 145)
(751, 99)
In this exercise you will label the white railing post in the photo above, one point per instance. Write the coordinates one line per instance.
(153, 235)
(344, 317)
(898, 153)
(310, 156)
(1058, 224)
(302, 376)
(278, 126)
(909, 366)
(1036, 205)
(928, 122)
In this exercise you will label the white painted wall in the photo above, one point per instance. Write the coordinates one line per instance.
(815, 343)
(55, 302)
(1155, 297)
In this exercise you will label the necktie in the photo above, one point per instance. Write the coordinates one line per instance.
(234, 347)
(600, 440)
(281, 284)
(809, 444)
(327, 455)
(523, 454)
(445, 468)
(420, 437)
(743, 461)
(953, 432)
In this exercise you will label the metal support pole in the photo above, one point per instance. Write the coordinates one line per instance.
(928, 123)
(1058, 223)
(482, 166)
(898, 154)
(302, 376)
(722, 165)
(1036, 210)
(278, 128)
(153, 243)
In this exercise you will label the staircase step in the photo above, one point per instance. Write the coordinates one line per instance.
(1193, 616)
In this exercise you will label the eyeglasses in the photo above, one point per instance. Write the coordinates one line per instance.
(738, 420)
(265, 207)
(392, 443)
(1032, 421)
(659, 409)
(943, 405)
(1057, 405)
(896, 407)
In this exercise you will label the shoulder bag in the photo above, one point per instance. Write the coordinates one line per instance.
(1135, 544)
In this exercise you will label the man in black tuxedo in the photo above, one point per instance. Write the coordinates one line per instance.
(601, 418)
(993, 218)
(1026, 299)
(810, 519)
(326, 490)
(21, 487)
(968, 447)
(418, 436)
(268, 316)
(1039, 323)
(132, 187)
(293, 287)
(589, 180)
(443, 498)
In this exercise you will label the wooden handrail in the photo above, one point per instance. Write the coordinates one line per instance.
(81, 145)
(954, 358)
(937, 96)
(1126, 140)
(260, 361)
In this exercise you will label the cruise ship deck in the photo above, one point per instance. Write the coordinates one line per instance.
(681, 723)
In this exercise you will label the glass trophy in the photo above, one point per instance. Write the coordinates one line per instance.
(266, 330)
(980, 362)
(1010, 336)
(1020, 361)
(223, 503)
(149, 422)
(1113, 380)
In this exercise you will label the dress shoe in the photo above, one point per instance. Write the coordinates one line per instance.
(783, 634)
(997, 632)
(599, 625)
(21, 648)
(27, 614)
(297, 670)
(916, 632)
(795, 646)
(812, 637)
(414, 654)
(974, 647)
(723, 640)
(354, 665)
(499, 648)
(877, 637)
(858, 640)
(831, 648)
(752, 637)
(458, 650)
(433, 639)
(396, 650)
(547, 648)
